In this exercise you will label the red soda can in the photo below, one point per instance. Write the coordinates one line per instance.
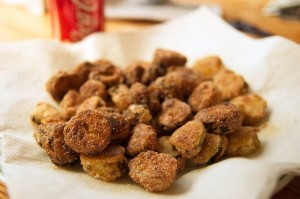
(72, 20)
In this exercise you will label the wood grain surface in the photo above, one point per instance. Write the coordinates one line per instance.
(14, 29)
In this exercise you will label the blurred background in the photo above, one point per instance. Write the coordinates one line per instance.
(26, 19)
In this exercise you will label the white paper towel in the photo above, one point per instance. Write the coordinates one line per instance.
(270, 66)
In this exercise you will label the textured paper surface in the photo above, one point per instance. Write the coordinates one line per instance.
(270, 66)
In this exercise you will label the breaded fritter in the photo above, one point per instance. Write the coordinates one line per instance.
(143, 138)
(109, 165)
(252, 106)
(242, 142)
(154, 171)
(88, 132)
(188, 138)
(220, 119)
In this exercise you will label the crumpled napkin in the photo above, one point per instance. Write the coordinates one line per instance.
(270, 66)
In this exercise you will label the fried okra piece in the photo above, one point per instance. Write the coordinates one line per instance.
(212, 149)
(220, 119)
(188, 139)
(107, 73)
(51, 138)
(88, 132)
(139, 93)
(208, 66)
(176, 84)
(109, 165)
(91, 103)
(138, 113)
(242, 142)
(45, 113)
(118, 123)
(83, 70)
(153, 171)
(138, 72)
(230, 84)
(164, 146)
(204, 95)
(70, 103)
(93, 88)
(120, 95)
(143, 138)
(173, 114)
(252, 106)
(162, 60)
(59, 84)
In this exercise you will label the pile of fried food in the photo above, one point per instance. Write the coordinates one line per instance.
(149, 119)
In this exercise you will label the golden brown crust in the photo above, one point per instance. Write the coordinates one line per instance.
(208, 66)
(230, 84)
(139, 93)
(173, 114)
(242, 142)
(162, 60)
(164, 146)
(88, 132)
(91, 103)
(106, 72)
(51, 138)
(120, 95)
(188, 138)
(59, 84)
(109, 165)
(212, 149)
(252, 106)
(154, 171)
(137, 113)
(220, 119)
(176, 84)
(204, 95)
(137, 72)
(93, 88)
(45, 113)
(143, 138)
(118, 123)
(70, 103)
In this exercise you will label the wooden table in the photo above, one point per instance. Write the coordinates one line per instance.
(16, 25)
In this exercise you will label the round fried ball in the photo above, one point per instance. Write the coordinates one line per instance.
(154, 171)
(70, 103)
(45, 113)
(208, 66)
(230, 84)
(213, 145)
(88, 132)
(173, 114)
(242, 142)
(164, 146)
(106, 72)
(143, 138)
(137, 113)
(120, 96)
(188, 138)
(204, 95)
(91, 103)
(109, 165)
(137, 72)
(252, 106)
(220, 119)
(139, 93)
(51, 138)
(93, 88)
(118, 123)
